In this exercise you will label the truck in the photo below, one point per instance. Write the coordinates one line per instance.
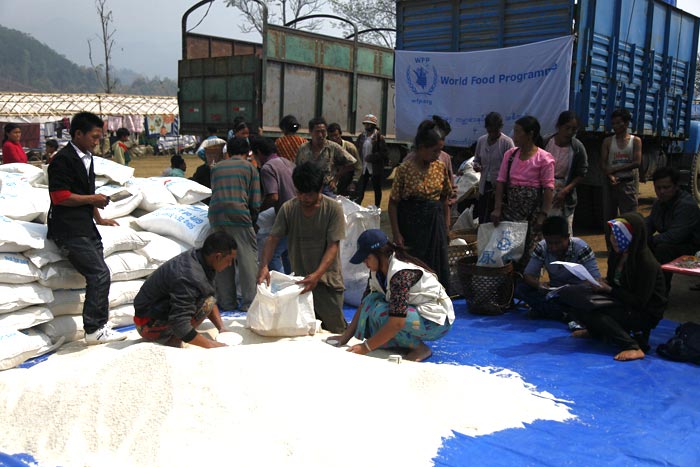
(636, 54)
(291, 72)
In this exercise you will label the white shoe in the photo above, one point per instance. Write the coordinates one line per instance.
(104, 335)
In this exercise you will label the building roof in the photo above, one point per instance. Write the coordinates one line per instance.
(22, 107)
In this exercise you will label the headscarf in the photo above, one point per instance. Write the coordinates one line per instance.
(623, 233)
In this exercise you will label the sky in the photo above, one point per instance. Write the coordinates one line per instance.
(147, 38)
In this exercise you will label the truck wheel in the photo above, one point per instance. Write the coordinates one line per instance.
(695, 177)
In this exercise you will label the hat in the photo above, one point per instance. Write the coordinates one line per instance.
(369, 240)
(369, 118)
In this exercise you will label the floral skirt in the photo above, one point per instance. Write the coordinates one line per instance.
(374, 313)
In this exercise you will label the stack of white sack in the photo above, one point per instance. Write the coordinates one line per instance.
(19, 198)
(23, 301)
(357, 220)
(160, 192)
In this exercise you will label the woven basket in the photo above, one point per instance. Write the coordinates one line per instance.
(457, 252)
(489, 291)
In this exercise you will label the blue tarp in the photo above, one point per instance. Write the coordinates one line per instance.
(645, 412)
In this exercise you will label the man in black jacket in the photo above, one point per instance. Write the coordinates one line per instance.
(72, 217)
(179, 295)
(673, 226)
(374, 154)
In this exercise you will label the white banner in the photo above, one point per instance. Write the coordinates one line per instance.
(463, 87)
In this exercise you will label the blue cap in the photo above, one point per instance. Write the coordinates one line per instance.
(369, 240)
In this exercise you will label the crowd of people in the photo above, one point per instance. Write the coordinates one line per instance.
(527, 179)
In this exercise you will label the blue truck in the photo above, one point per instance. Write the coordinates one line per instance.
(636, 54)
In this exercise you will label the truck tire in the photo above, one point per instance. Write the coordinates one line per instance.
(695, 177)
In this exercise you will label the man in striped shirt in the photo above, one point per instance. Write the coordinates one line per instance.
(234, 206)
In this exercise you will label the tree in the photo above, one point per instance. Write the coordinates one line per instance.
(369, 14)
(108, 83)
(279, 11)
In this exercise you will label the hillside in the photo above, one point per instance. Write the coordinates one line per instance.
(31, 66)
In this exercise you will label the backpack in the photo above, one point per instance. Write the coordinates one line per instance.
(684, 346)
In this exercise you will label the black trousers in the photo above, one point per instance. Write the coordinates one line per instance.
(87, 257)
(376, 185)
(628, 331)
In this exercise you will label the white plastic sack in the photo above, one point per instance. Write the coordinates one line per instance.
(161, 248)
(68, 302)
(189, 224)
(121, 316)
(17, 296)
(357, 220)
(466, 220)
(124, 292)
(155, 194)
(61, 275)
(17, 236)
(120, 238)
(16, 347)
(186, 191)
(112, 170)
(70, 328)
(16, 269)
(122, 207)
(25, 205)
(128, 265)
(280, 310)
(25, 318)
(498, 245)
(13, 182)
(467, 180)
(33, 174)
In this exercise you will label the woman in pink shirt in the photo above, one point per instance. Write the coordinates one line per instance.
(526, 177)
(11, 148)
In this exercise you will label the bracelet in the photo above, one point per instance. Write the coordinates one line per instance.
(366, 344)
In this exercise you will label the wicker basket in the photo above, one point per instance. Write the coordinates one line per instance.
(489, 291)
(457, 252)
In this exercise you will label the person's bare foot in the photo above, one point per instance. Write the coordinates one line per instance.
(581, 333)
(419, 354)
(627, 355)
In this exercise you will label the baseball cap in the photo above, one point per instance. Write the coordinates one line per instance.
(369, 118)
(367, 241)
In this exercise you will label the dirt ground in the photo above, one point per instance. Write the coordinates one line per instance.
(683, 303)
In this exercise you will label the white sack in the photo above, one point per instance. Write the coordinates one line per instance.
(69, 328)
(17, 236)
(33, 174)
(466, 220)
(120, 238)
(124, 292)
(155, 194)
(357, 220)
(128, 265)
(281, 310)
(121, 316)
(112, 170)
(17, 296)
(498, 245)
(161, 248)
(61, 275)
(467, 180)
(189, 224)
(68, 302)
(25, 318)
(13, 183)
(16, 269)
(17, 347)
(25, 205)
(186, 191)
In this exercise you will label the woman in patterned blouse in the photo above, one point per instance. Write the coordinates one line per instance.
(403, 304)
(418, 208)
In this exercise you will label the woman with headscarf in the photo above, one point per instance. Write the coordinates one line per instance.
(403, 304)
(526, 180)
(288, 145)
(418, 205)
(632, 299)
(11, 148)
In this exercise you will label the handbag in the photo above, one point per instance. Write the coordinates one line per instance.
(504, 197)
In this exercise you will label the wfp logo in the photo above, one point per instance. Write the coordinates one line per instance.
(422, 78)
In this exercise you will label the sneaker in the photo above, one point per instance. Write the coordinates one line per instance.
(104, 335)
(576, 326)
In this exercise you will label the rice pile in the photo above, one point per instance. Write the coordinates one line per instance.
(267, 402)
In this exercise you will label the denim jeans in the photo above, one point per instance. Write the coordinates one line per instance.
(87, 257)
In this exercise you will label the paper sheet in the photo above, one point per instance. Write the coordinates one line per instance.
(579, 271)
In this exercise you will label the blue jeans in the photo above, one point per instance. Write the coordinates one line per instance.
(280, 258)
(87, 257)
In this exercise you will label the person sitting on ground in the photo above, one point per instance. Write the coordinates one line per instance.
(403, 304)
(51, 149)
(177, 168)
(673, 226)
(557, 245)
(120, 148)
(12, 150)
(632, 299)
(179, 295)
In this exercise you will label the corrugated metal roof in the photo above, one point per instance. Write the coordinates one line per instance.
(56, 106)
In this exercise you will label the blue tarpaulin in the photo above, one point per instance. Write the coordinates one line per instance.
(644, 412)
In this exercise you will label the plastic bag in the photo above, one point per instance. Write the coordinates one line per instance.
(280, 309)
(498, 245)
